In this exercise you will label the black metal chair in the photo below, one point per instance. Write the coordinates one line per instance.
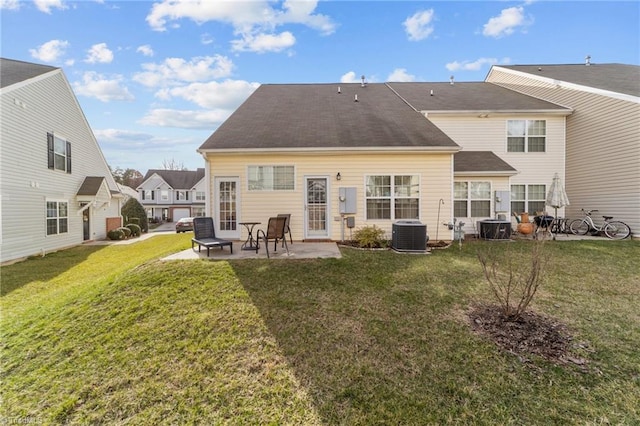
(204, 234)
(276, 232)
(287, 229)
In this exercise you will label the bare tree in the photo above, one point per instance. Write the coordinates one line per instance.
(173, 164)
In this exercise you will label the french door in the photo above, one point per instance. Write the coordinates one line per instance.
(226, 207)
(316, 208)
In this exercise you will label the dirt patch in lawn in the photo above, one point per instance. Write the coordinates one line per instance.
(531, 334)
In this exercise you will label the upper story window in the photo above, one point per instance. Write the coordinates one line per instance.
(199, 195)
(58, 153)
(393, 197)
(148, 194)
(182, 195)
(472, 199)
(164, 194)
(528, 198)
(271, 178)
(57, 217)
(526, 135)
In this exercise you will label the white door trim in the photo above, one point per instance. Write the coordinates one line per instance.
(315, 233)
(231, 229)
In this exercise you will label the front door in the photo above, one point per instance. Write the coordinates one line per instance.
(226, 207)
(86, 225)
(316, 207)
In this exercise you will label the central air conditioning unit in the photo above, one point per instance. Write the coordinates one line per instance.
(409, 235)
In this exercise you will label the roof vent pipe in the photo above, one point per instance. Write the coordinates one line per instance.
(355, 98)
(363, 81)
(587, 60)
(431, 92)
(451, 80)
(339, 91)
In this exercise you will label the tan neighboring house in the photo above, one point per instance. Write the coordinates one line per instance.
(380, 153)
(173, 194)
(57, 190)
(602, 134)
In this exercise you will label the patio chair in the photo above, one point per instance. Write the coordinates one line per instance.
(287, 229)
(276, 232)
(205, 235)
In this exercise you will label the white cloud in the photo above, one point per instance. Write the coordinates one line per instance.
(99, 53)
(127, 136)
(400, 74)
(9, 4)
(228, 94)
(506, 23)
(177, 70)
(254, 21)
(50, 51)
(184, 119)
(262, 43)
(475, 65)
(97, 86)
(46, 5)
(206, 39)
(350, 77)
(145, 49)
(419, 26)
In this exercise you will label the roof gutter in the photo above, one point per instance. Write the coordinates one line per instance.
(487, 113)
(331, 150)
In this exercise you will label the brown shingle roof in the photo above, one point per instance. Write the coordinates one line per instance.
(178, 179)
(619, 78)
(480, 162)
(91, 185)
(473, 96)
(307, 116)
(12, 71)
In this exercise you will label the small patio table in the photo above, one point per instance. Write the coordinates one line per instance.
(251, 243)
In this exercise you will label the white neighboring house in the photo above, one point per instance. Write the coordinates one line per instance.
(173, 194)
(57, 190)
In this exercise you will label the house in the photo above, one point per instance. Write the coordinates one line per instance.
(173, 194)
(379, 153)
(57, 190)
(602, 134)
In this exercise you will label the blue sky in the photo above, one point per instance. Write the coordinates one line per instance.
(156, 78)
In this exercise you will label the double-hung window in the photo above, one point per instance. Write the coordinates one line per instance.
(271, 178)
(199, 195)
(472, 199)
(393, 197)
(528, 198)
(526, 135)
(148, 194)
(164, 195)
(58, 153)
(182, 195)
(57, 217)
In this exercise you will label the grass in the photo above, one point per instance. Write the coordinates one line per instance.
(113, 335)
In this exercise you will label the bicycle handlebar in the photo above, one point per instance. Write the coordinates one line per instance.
(588, 212)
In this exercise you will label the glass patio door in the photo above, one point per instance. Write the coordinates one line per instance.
(316, 208)
(226, 207)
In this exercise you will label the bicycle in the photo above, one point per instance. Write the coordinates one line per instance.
(613, 229)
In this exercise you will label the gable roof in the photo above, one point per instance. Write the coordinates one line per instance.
(470, 97)
(177, 179)
(481, 162)
(619, 78)
(90, 185)
(12, 71)
(326, 116)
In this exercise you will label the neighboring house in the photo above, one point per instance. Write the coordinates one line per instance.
(57, 190)
(173, 194)
(127, 193)
(603, 133)
(381, 153)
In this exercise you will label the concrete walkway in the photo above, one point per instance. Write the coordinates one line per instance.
(297, 250)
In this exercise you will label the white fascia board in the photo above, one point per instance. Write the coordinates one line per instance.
(336, 151)
(488, 113)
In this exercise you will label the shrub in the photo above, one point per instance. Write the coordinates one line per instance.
(133, 212)
(135, 229)
(126, 231)
(115, 234)
(370, 237)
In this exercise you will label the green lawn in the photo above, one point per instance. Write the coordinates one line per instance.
(113, 335)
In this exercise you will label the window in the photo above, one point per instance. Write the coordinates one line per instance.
(528, 198)
(198, 211)
(164, 195)
(58, 153)
(472, 199)
(182, 195)
(393, 197)
(271, 178)
(526, 135)
(199, 195)
(147, 194)
(57, 217)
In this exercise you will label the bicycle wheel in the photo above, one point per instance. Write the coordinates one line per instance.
(579, 227)
(617, 230)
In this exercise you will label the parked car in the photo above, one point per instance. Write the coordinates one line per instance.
(185, 224)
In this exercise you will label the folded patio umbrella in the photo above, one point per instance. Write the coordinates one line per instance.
(557, 197)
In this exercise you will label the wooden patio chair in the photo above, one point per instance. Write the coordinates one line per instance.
(287, 229)
(276, 232)
(204, 234)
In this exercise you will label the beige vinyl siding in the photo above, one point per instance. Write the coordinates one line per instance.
(603, 146)
(498, 183)
(28, 113)
(435, 171)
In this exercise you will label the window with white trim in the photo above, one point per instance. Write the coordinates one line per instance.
(392, 197)
(182, 195)
(200, 196)
(198, 211)
(58, 153)
(528, 198)
(526, 135)
(164, 195)
(271, 178)
(148, 194)
(57, 217)
(472, 199)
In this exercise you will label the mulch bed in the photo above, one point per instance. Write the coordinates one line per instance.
(531, 334)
